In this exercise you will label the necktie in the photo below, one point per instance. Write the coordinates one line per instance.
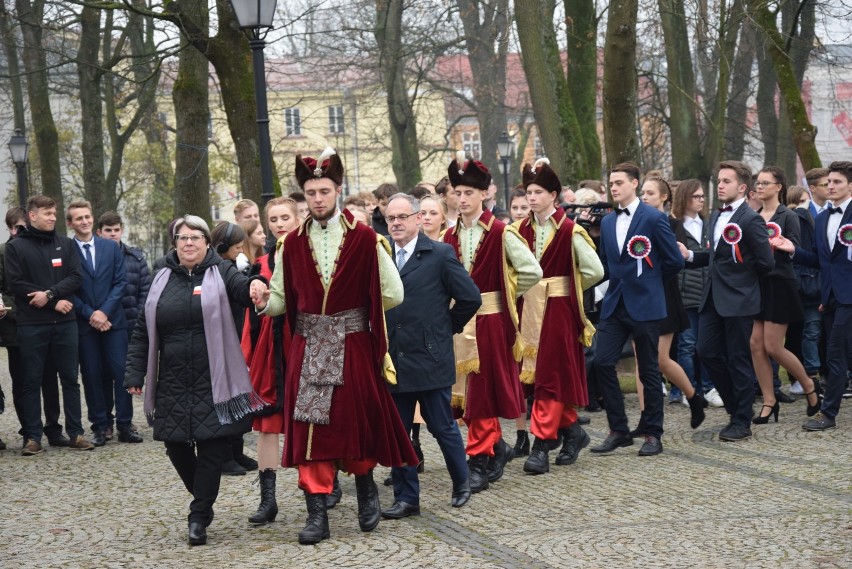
(400, 258)
(833, 210)
(619, 211)
(726, 208)
(89, 260)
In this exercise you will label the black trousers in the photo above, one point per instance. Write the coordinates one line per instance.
(613, 332)
(199, 466)
(49, 393)
(723, 347)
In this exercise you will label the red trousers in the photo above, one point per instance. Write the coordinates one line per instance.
(482, 435)
(548, 416)
(317, 476)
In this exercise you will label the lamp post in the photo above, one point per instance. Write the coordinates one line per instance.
(255, 20)
(20, 148)
(504, 149)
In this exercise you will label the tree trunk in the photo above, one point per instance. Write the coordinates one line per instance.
(11, 50)
(687, 157)
(553, 107)
(767, 117)
(388, 33)
(38, 92)
(487, 39)
(804, 133)
(619, 83)
(582, 26)
(735, 124)
(190, 95)
(90, 74)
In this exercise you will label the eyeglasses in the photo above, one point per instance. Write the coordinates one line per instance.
(195, 238)
(764, 184)
(698, 197)
(401, 217)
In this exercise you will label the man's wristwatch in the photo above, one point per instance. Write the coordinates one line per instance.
(49, 294)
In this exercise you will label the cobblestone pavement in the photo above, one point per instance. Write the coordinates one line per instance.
(781, 499)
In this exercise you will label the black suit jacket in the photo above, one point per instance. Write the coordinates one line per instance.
(735, 286)
(420, 330)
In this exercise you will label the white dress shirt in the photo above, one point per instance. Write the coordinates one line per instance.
(409, 251)
(723, 219)
(694, 225)
(622, 223)
(91, 242)
(834, 223)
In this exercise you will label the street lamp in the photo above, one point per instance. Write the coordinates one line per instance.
(255, 20)
(20, 148)
(504, 149)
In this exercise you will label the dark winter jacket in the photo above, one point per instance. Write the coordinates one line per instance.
(183, 410)
(8, 329)
(691, 281)
(40, 261)
(138, 283)
(380, 224)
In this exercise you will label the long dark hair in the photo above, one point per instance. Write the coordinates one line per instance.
(780, 178)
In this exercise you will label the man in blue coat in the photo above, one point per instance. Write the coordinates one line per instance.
(639, 252)
(102, 326)
(420, 333)
(832, 254)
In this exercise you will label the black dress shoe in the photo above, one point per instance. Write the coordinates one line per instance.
(247, 462)
(651, 446)
(98, 438)
(369, 508)
(401, 510)
(128, 436)
(478, 478)
(59, 441)
(819, 423)
(782, 397)
(388, 481)
(231, 468)
(503, 454)
(197, 533)
(336, 495)
(584, 420)
(109, 432)
(733, 433)
(613, 441)
(461, 494)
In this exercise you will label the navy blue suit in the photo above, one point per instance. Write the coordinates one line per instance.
(726, 315)
(420, 335)
(836, 297)
(635, 304)
(103, 290)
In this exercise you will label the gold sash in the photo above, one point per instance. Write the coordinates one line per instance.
(464, 345)
(535, 300)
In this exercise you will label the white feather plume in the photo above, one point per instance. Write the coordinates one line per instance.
(460, 160)
(325, 155)
(540, 162)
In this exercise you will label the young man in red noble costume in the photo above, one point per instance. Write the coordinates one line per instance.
(553, 324)
(488, 350)
(333, 279)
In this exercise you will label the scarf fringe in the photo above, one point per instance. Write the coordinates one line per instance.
(238, 407)
(467, 366)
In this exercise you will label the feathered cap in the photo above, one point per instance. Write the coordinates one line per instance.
(471, 173)
(543, 175)
(327, 165)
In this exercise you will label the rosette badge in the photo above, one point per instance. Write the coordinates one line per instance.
(844, 236)
(773, 229)
(732, 233)
(639, 247)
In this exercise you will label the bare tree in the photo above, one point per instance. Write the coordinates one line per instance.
(619, 83)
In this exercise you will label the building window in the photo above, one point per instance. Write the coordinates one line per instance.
(470, 144)
(293, 120)
(335, 119)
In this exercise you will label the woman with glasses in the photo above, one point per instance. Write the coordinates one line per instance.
(186, 353)
(689, 215)
(780, 302)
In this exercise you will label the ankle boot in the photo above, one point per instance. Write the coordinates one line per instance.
(268, 508)
(333, 499)
(538, 462)
(574, 439)
(478, 473)
(522, 445)
(316, 526)
(369, 508)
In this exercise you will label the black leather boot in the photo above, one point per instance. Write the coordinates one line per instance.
(574, 439)
(503, 454)
(522, 445)
(268, 508)
(333, 499)
(538, 462)
(316, 526)
(369, 508)
(197, 534)
(478, 473)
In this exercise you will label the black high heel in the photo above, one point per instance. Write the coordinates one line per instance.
(813, 409)
(773, 410)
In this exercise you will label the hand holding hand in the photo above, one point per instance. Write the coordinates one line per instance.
(781, 243)
(134, 390)
(98, 319)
